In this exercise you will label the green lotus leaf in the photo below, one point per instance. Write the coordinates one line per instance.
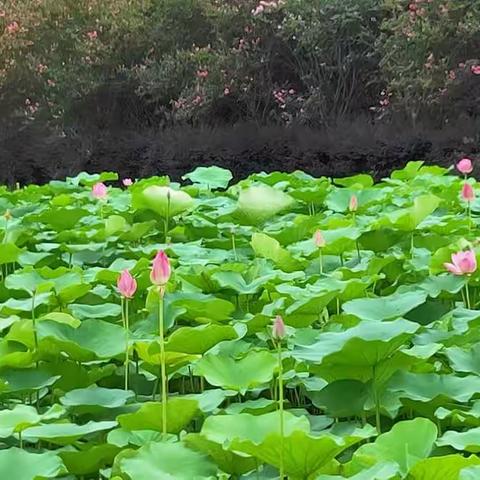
(253, 370)
(211, 177)
(180, 412)
(406, 444)
(22, 465)
(162, 200)
(169, 461)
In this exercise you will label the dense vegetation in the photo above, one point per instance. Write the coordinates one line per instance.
(154, 63)
(114, 367)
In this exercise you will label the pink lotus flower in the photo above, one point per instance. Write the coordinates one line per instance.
(278, 328)
(353, 204)
(465, 166)
(318, 239)
(468, 194)
(100, 191)
(202, 73)
(127, 182)
(127, 285)
(463, 263)
(475, 69)
(92, 35)
(161, 269)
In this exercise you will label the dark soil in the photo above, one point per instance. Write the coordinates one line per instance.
(35, 155)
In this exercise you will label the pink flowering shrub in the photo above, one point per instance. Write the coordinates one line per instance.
(311, 62)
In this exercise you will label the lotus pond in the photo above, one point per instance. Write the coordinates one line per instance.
(370, 372)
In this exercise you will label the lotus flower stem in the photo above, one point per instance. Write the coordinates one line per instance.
(377, 401)
(467, 296)
(358, 251)
(280, 406)
(126, 325)
(34, 325)
(167, 219)
(161, 294)
(320, 260)
(234, 248)
(469, 215)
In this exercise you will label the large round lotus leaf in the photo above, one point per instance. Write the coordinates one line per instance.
(385, 308)
(212, 177)
(180, 412)
(342, 398)
(406, 443)
(253, 370)
(65, 433)
(305, 455)
(21, 465)
(258, 204)
(167, 461)
(226, 460)
(162, 200)
(224, 429)
(25, 416)
(448, 467)
(197, 340)
(92, 339)
(468, 441)
(97, 396)
(90, 460)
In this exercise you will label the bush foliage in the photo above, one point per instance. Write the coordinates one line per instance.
(312, 62)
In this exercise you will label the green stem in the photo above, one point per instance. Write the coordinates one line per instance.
(467, 296)
(280, 405)
(20, 438)
(469, 215)
(127, 341)
(162, 360)
(377, 402)
(35, 336)
(411, 244)
(320, 259)
(358, 251)
(234, 248)
(167, 220)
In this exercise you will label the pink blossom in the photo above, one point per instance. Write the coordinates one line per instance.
(353, 203)
(92, 35)
(463, 263)
(468, 194)
(465, 166)
(202, 73)
(278, 328)
(258, 10)
(161, 270)
(127, 182)
(126, 284)
(13, 27)
(319, 239)
(100, 191)
(226, 91)
(475, 69)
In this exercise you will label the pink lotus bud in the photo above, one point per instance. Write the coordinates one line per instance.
(127, 182)
(161, 269)
(468, 194)
(465, 166)
(278, 329)
(318, 239)
(353, 204)
(475, 69)
(463, 263)
(100, 191)
(127, 285)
